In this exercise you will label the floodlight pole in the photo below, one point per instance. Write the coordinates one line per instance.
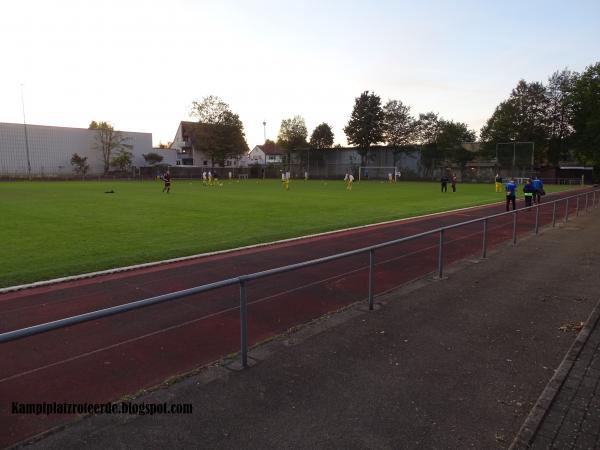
(26, 137)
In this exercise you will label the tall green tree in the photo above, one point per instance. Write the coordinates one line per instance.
(449, 141)
(292, 135)
(322, 136)
(399, 124)
(219, 133)
(586, 117)
(427, 129)
(211, 109)
(108, 141)
(560, 113)
(523, 117)
(366, 125)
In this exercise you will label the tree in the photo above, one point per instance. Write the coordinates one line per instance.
(322, 136)
(107, 141)
(586, 116)
(560, 113)
(366, 125)
(122, 161)
(80, 165)
(152, 158)
(220, 132)
(523, 117)
(450, 137)
(210, 109)
(399, 124)
(427, 129)
(292, 135)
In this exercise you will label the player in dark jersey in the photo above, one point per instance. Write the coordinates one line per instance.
(167, 179)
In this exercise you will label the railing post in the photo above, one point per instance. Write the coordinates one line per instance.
(586, 202)
(594, 200)
(371, 277)
(537, 219)
(567, 211)
(514, 227)
(577, 207)
(553, 214)
(441, 255)
(484, 243)
(243, 323)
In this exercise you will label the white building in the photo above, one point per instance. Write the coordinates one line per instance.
(266, 154)
(188, 153)
(51, 148)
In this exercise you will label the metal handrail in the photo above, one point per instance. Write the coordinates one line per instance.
(243, 279)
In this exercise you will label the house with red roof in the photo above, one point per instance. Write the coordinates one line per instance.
(268, 153)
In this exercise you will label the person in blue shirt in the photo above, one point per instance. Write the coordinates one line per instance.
(528, 192)
(538, 186)
(444, 181)
(511, 194)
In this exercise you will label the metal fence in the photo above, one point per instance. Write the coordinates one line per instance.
(583, 202)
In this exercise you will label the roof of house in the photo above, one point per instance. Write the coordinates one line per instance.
(271, 148)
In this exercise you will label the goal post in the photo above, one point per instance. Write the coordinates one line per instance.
(516, 157)
(381, 173)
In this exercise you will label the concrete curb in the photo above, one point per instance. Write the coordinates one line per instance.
(529, 429)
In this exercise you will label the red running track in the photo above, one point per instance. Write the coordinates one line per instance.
(105, 359)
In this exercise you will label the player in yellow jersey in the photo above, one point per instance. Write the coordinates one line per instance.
(349, 182)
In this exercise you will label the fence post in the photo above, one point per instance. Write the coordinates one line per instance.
(441, 255)
(586, 202)
(594, 200)
(371, 277)
(567, 211)
(553, 214)
(484, 244)
(243, 323)
(514, 227)
(577, 207)
(537, 219)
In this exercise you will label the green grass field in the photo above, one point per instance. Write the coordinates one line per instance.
(54, 229)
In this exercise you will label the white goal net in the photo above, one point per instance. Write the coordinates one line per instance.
(380, 173)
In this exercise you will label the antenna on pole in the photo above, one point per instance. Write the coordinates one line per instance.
(26, 138)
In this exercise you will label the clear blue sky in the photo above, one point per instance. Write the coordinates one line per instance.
(140, 64)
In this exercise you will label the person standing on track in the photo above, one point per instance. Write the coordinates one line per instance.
(538, 186)
(511, 194)
(528, 193)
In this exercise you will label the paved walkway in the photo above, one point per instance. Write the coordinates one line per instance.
(567, 414)
(457, 363)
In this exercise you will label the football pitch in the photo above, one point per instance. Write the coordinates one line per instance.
(55, 229)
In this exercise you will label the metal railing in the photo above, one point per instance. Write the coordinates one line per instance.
(243, 279)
